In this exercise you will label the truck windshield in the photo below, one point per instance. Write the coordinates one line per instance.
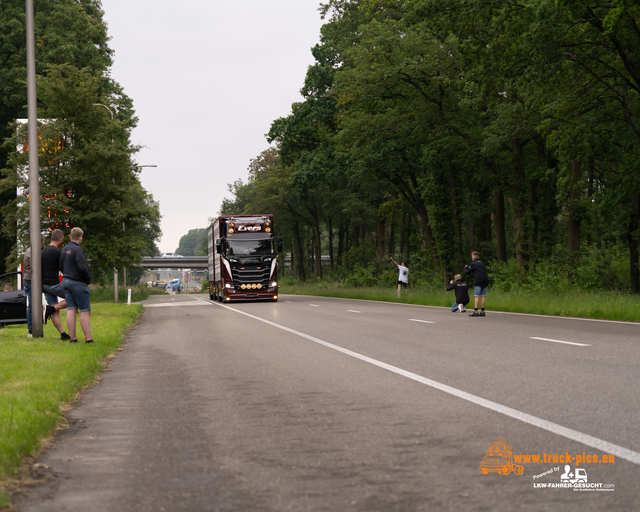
(249, 247)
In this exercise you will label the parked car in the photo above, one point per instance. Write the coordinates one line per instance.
(13, 304)
(171, 255)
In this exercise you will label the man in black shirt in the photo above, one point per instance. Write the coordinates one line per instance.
(76, 284)
(51, 285)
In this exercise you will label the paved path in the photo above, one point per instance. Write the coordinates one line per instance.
(334, 405)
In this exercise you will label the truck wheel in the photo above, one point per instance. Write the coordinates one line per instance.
(504, 470)
(212, 296)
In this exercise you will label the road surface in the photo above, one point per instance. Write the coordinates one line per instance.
(317, 404)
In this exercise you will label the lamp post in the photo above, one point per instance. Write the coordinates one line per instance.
(115, 270)
(35, 228)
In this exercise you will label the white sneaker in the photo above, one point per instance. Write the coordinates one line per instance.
(462, 309)
(29, 335)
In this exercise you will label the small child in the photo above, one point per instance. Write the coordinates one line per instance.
(462, 294)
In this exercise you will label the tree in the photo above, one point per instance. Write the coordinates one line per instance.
(67, 32)
(194, 243)
(90, 174)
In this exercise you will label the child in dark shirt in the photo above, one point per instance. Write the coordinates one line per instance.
(462, 294)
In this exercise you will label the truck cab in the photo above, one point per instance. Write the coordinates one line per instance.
(243, 258)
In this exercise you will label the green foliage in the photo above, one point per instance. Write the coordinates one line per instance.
(88, 178)
(194, 243)
(67, 33)
(437, 127)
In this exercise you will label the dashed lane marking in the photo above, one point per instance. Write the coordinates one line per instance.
(421, 321)
(560, 341)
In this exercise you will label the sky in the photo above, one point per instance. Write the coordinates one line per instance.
(207, 79)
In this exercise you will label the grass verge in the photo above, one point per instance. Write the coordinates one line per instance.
(37, 376)
(574, 303)
(138, 293)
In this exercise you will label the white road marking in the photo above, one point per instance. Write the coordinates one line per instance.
(182, 303)
(353, 311)
(629, 322)
(554, 428)
(559, 341)
(422, 321)
(314, 305)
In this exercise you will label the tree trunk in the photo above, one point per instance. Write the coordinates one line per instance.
(519, 220)
(501, 237)
(574, 217)
(403, 230)
(457, 221)
(632, 239)
(330, 228)
(380, 239)
(299, 259)
(424, 219)
(391, 244)
(318, 246)
(293, 259)
(341, 233)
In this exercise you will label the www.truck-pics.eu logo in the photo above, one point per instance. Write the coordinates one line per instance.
(501, 459)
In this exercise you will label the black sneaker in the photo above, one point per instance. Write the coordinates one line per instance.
(72, 341)
(482, 313)
(89, 341)
(50, 310)
(475, 313)
(65, 337)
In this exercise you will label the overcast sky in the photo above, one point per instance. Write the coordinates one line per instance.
(207, 78)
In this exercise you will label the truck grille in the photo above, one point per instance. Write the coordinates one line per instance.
(250, 274)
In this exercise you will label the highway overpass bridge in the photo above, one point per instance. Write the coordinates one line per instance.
(192, 262)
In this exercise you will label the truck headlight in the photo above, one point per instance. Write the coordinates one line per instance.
(228, 285)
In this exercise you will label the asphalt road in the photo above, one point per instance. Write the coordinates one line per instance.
(316, 404)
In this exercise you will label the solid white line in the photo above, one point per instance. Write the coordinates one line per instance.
(174, 304)
(560, 341)
(423, 321)
(353, 311)
(573, 435)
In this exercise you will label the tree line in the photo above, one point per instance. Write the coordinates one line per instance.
(88, 176)
(430, 128)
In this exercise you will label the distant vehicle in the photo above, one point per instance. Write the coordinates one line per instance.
(171, 255)
(243, 258)
(174, 285)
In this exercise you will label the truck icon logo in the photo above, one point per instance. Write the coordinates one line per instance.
(499, 459)
(580, 475)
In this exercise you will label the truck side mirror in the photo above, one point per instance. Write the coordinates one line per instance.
(219, 246)
(279, 244)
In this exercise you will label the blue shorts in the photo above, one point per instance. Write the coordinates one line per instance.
(52, 292)
(77, 294)
(480, 291)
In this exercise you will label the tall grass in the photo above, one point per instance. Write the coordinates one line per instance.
(139, 292)
(572, 302)
(38, 375)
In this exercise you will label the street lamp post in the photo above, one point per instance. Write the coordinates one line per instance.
(115, 270)
(35, 228)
